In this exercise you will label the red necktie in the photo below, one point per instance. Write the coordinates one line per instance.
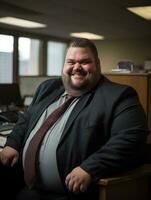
(31, 152)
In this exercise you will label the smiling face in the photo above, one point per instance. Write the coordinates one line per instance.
(81, 70)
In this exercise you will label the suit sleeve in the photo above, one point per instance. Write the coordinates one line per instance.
(128, 133)
(16, 138)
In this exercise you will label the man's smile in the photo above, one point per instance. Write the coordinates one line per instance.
(79, 72)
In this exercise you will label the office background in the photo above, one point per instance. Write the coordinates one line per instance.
(126, 36)
(29, 56)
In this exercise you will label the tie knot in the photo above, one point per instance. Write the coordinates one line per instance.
(70, 97)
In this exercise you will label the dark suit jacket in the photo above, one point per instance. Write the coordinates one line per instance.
(105, 133)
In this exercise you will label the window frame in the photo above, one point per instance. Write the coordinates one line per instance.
(43, 60)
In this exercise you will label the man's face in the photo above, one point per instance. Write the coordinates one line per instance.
(80, 71)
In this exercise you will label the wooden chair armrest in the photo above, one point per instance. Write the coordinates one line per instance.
(131, 185)
(144, 170)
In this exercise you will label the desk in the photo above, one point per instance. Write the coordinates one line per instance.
(142, 84)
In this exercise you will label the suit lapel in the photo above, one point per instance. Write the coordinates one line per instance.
(78, 107)
(45, 103)
(50, 99)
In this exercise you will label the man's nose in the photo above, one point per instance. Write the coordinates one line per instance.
(77, 65)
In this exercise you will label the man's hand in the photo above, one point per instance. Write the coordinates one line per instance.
(9, 156)
(78, 180)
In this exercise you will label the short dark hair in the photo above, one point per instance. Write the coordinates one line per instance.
(83, 42)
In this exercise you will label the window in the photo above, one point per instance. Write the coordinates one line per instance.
(6, 58)
(29, 54)
(33, 58)
(55, 58)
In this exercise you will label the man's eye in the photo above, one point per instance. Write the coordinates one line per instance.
(70, 62)
(85, 62)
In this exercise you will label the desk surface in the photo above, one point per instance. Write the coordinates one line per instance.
(127, 74)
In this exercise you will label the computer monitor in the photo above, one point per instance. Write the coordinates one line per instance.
(10, 94)
(125, 65)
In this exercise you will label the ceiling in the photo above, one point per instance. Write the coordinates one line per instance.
(106, 17)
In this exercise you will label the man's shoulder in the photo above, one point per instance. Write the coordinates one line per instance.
(47, 86)
(51, 83)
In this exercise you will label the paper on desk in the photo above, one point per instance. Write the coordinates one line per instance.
(2, 141)
(5, 132)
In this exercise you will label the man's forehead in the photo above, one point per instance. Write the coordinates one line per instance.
(79, 51)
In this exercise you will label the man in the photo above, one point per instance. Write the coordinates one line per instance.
(102, 132)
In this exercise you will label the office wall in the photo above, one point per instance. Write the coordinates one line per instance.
(113, 51)
(110, 52)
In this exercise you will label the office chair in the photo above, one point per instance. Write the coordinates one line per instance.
(132, 185)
